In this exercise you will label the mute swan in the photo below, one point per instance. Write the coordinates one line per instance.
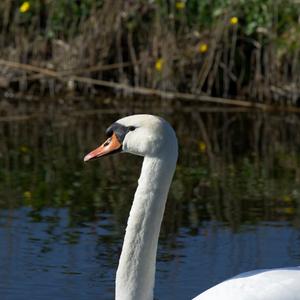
(155, 140)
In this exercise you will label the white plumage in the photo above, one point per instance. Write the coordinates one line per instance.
(272, 284)
(155, 140)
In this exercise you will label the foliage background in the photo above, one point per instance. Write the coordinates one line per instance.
(239, 49)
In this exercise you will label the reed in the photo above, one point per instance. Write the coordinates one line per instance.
(247, 50)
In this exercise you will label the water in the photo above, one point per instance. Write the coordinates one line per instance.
(233, 206)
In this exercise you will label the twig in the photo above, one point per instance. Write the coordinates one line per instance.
(152, 92)
(172, 95)
(57, 74)
(30, 68)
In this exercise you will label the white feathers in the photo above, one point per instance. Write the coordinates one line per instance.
(154, 139)
(152, 136)
(273, 284)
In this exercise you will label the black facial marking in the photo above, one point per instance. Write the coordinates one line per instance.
(119, 130)
(131, 128)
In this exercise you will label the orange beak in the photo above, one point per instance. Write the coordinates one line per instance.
(111, 145)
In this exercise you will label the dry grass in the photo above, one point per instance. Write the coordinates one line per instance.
(154, 45)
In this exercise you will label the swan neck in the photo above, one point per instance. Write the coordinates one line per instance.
(136, 271)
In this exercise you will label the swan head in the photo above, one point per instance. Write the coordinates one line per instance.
(143, 135)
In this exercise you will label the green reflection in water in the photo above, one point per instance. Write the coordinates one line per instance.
(233, 205)
(234, 168)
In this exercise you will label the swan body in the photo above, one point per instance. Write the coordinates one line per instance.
(154, 139)
(272, 284)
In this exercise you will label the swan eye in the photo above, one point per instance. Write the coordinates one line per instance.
(131, 128)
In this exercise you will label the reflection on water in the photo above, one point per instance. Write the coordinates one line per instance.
(233, 205)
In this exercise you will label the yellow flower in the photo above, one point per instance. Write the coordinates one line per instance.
(234, 20)
(27, 195)
(289, 210)
(159, 64)
(24, 149)
(202, 146)
(180, 5)
(24, 7)
(203, 47)
(287, 198)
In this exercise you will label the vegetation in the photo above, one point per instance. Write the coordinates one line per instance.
(230, 170)
(232, 49)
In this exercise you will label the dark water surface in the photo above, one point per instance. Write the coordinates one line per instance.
(234, 204)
